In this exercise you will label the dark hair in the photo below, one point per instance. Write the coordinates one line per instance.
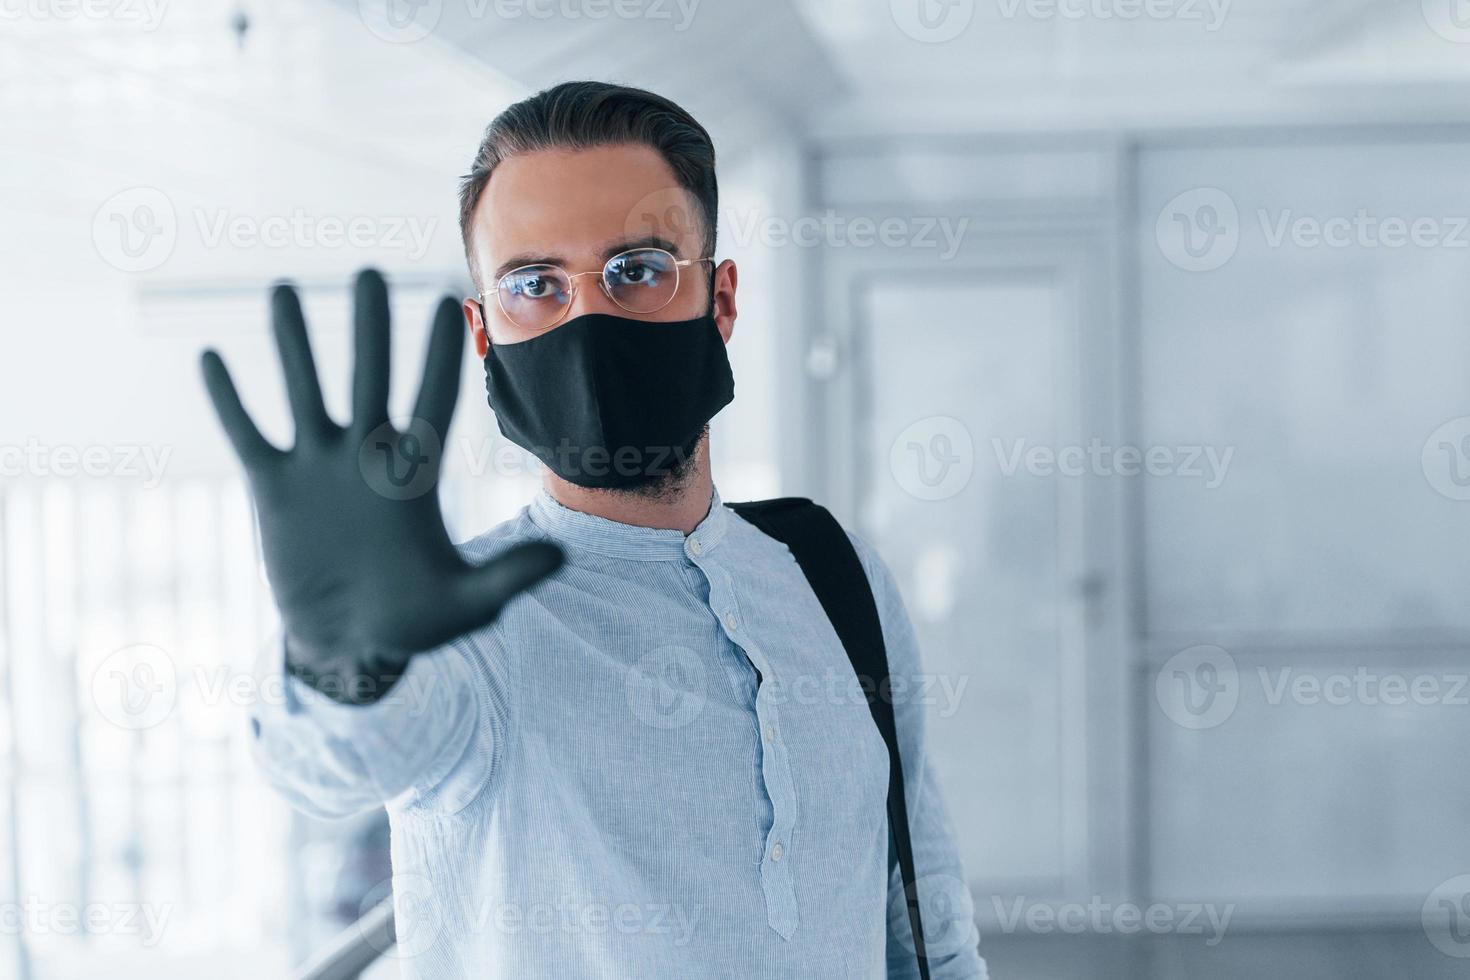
(580, 115)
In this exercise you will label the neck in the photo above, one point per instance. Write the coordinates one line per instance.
(680, 507)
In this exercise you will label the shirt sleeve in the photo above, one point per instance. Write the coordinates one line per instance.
(946, 907)
(432, 741)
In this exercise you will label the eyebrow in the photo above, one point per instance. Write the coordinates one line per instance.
(530, 258)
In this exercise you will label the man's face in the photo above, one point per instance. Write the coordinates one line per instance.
(576, 209)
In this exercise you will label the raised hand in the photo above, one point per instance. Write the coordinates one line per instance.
(358, 557)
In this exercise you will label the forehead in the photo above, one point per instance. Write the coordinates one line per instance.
(574, 204)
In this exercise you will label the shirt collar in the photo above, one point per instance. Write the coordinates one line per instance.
(616, 540)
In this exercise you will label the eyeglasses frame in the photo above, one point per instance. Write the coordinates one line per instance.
(572, 277)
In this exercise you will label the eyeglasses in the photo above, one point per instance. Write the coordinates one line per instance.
(640, 280)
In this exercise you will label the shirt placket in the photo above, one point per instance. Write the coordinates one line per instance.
(775, 780)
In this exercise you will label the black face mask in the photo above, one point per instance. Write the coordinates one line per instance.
(609, 401)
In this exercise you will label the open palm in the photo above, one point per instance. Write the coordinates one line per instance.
(358, 557)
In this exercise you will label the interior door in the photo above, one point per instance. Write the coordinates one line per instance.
(967, 389)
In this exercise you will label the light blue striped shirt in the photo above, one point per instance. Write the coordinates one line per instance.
(657, 763)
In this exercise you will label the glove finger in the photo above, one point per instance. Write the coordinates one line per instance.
(440, 387)
(250, 445)
(303, 390)
(482, 592)
(371, 340)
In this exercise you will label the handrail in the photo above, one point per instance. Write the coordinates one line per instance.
(354, 949)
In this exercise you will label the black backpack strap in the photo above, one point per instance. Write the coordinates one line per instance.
(835, 572)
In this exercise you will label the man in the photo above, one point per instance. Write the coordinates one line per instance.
(647, 765)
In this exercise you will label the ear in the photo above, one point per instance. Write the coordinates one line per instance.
(725, 279)
(477, 326)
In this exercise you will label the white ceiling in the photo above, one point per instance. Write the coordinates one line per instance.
(865, 66)
(1027, 64)
(321, 107)
(748, 70)
(325, 111)
(311, 112)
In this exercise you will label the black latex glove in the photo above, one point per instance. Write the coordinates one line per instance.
(358, 558)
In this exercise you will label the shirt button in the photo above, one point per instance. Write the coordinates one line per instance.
(770, 733)
(730, 621)
(695, 547)
(777, 851)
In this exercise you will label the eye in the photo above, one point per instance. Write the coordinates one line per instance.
(629, 271)
(645, 267)
(533, 284)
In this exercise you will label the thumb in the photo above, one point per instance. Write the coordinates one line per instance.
(480, 593)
